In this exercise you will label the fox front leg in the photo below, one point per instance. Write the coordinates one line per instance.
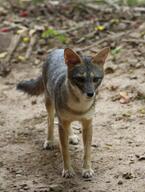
(87, 140)
(64, 142)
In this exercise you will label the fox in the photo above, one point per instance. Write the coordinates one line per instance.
(69, 82)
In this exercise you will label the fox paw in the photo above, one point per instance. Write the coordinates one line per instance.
(87, 173)
(68, 173)
(73, 139)
(49, 145)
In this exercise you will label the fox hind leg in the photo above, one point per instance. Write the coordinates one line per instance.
(49, 142)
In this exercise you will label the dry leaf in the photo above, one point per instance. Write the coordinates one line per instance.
(21, 58)
(124, 98)
(3, 55)
(142, 110)
(22, 31)
(26, 39)
(100, 27)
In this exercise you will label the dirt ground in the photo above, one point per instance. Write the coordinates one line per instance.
(118, 147)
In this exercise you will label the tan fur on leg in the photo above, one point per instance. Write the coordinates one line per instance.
(64, 134)
(49, 143)
(87, 140)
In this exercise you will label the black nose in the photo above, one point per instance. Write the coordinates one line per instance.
(90, 94)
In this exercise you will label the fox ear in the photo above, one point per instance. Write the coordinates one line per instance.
(71, 58)
(101, 56)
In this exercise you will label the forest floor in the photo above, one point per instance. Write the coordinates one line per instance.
(118, 147)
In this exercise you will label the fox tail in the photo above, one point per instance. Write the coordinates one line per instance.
(32, 87)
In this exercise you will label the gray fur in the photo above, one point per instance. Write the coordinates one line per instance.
(56, 79)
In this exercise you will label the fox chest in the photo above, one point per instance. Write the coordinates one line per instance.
(78, 110)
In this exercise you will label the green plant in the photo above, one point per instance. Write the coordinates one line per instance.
(53, 33)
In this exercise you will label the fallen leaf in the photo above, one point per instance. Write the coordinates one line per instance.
(26, 39)
(127, 114)
(124, 98)
(127, 175)
(3, 55)
(141, 158)
(120, 182)
(114, 21)
(100, 27)
(116, 50)
(32, 31)
(112, 87)
(115, 97)
(22, 31)
(5, 29)
(109, 70)
(23, 14)
(21, 58)
(142, 110)
(3, 11)
(108, 144)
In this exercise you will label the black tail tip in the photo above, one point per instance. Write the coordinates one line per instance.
(19, 86)
(32, 87)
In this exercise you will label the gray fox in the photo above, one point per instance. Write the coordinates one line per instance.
(69, 82)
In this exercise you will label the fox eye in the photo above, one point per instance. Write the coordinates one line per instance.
(80, 79)
(96, 79)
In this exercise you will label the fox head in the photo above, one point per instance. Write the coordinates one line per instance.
(85, 73)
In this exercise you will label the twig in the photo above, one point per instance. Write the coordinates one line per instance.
(78, 26)
(134, 40)
(31, 45)
(98, 8)
(87, 36)
(112, 37)
(139, 9)
(12, 5)
(112, 4)
(50, 50)
(13, 45)
(5, 66)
